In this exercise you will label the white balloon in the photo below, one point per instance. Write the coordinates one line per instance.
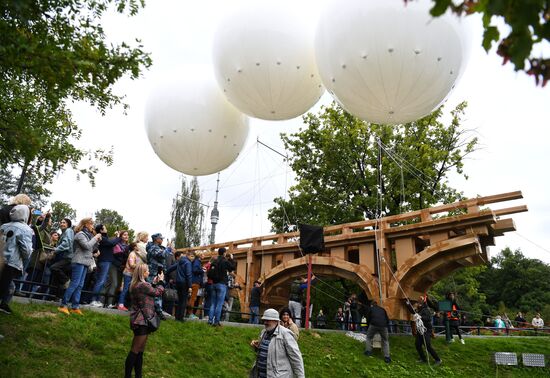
(264, 62)
(387, 62)
(193, 128)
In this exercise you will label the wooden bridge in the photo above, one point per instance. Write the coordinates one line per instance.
(417, 249)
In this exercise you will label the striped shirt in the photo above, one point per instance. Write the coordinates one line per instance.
(261, 362)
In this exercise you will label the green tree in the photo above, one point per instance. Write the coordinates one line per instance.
(62, 210)
(113, 221)
(32, 187)
(52, 52)
(465, 283)
(335, 159)
(187, 215)
(528, 29)
(519, 282)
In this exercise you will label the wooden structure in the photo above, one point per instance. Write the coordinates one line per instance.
(416, 250)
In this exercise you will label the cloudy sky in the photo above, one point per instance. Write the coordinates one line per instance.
(508, 112)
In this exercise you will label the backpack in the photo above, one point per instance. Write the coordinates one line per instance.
(214, 272)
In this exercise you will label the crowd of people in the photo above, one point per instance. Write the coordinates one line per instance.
(83, 264)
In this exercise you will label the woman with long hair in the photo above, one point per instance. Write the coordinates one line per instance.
(85, 242)
(137, 256)
(142, 294)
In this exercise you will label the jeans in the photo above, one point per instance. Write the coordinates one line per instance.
(254, 315)
(296, 312)
(183, 291)
(218, 297)
(383, 331)
(127, 281)
(72, 294)
(102, 272)
(207, 300)
(113, 283)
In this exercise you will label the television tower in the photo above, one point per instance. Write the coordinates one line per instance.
(215, 214)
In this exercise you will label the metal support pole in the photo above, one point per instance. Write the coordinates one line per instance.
(308, 297)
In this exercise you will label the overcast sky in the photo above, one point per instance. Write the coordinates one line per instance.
(509, 113)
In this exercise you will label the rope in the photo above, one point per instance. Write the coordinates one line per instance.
(420, 328)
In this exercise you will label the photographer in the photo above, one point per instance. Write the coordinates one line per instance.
(156, 259)
(61, 269)
(218, 274)
(184, 276)
(142, 316)
(85, 243)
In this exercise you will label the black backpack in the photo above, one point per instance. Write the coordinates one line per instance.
(214, 272)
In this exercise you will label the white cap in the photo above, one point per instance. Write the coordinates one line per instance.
(271, 314)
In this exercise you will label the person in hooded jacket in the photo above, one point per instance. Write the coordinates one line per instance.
(424, 339)
(17, 236)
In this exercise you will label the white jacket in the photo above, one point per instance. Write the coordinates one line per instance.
(284, 359)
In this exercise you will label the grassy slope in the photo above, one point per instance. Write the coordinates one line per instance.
(39, 341)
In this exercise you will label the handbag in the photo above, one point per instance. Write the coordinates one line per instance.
(45, 256)
(153, 323)
(170, 295)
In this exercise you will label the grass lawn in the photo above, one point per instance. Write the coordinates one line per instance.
(41, 342)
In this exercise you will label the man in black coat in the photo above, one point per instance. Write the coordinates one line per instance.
(424, 336)
(378, 321)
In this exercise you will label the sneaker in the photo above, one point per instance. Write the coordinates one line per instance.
(64, 310)
(437, 363)
(387, 360)
(96, 304)
(161, 316)
(167, 315)
(122, 308)
(112, 306)
(193, 316)
(5, 308)
(76, 311)
(462, 341)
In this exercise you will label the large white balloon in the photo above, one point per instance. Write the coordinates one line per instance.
(193, 128)
(387, 62)
(264, 62)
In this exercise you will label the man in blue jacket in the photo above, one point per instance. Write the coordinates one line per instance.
(184, 277)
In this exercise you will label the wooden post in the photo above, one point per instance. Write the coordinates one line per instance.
(308, 290)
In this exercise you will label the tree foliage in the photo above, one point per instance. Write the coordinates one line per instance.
(113, 221)
(186, 218)
(62, 210)
(517, 281)
(529, 29)
(38, 193)
(510, 282)
(52, 52)
(335, 159)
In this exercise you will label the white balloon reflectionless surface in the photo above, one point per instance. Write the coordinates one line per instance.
(387, 62)
(264, 61)
(193, 128)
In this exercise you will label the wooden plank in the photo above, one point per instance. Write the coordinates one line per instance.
(339, 252)
(404, 249)
(366, 256)
(510, 210)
